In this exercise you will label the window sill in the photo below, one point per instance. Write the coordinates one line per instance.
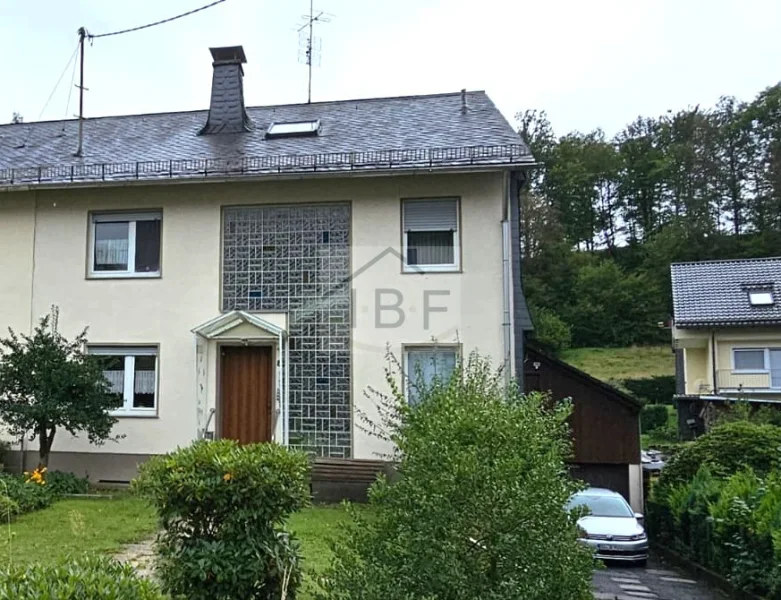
(134, 414)
(421, 269)
(155, 275)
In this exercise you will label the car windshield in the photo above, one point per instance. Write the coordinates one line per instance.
(601, 506)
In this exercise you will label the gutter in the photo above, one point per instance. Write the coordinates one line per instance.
(280, 176)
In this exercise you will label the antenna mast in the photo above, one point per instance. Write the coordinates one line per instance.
(82, 35)
(311, 45)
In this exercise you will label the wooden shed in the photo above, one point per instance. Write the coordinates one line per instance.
(605, 424)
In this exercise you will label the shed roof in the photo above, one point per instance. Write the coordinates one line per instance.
(716, 293)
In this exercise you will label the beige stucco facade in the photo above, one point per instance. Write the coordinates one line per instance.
(43, 262)
(709, 366)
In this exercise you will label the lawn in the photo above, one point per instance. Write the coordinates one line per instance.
(314, 527)
(77, 525)
(101, 525)
(616, 364)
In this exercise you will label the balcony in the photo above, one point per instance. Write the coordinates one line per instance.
(767, 381)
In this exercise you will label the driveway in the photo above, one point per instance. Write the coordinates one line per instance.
(656, 581)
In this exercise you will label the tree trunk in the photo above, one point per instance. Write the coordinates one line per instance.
(45, 441)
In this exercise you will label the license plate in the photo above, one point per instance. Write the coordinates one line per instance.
(609, 547)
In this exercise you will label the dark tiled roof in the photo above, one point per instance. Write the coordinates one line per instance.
(416, 131)
(715, 293)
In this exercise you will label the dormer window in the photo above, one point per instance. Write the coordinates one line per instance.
(761, 297)
(293, 129)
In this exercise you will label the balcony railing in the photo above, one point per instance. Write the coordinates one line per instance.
(731, 380)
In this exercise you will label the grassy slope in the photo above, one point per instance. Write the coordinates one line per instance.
(75, 526)
(615, 364)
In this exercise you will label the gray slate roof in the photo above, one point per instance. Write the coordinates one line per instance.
(715, 293)
(380, 133)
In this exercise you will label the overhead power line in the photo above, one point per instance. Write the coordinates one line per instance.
(148, 25)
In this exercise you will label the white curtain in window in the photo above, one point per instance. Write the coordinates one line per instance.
(144, 382)
(111, 252)
(116, 380)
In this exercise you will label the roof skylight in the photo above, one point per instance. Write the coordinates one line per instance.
(761, 297)
(293, 129)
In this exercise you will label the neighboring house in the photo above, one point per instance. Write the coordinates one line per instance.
(244, 271)
(727, 335)
(605, 425)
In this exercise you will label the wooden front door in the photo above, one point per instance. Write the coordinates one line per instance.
(245, 399)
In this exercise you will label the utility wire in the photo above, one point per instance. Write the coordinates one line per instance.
(187, 14)
(70, 89)
(51, 95)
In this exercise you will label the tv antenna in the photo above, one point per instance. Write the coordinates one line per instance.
(309, 46)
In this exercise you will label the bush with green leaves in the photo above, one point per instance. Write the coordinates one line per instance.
(652, 390)
(731, 526)
(725, 449)
(222, 509)
(477, 509)
(84, 578)
(27, 495)
(551, 333)
(653, 416)
(62, 483)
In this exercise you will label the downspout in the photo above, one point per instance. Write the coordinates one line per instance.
(514, 189)
(506, 304)
(713, 362)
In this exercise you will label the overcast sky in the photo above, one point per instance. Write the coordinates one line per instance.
(596, 63)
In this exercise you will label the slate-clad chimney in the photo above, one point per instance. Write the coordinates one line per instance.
(226, 110)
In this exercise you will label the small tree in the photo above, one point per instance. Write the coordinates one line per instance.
(477, 509)
(17, 118)
(47, 382)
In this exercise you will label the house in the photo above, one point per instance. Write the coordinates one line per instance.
(605, 424)
(727, 336)
(244, 271)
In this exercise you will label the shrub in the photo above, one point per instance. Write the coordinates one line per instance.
(8, 507)
(653, 416)
(652, 390)
(61, 483)
(86, 578)
(29, 496)
(477, 509)
(222, 508)
(726, 449)
(550, 330)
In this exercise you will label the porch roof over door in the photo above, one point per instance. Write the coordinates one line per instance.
(224, 323)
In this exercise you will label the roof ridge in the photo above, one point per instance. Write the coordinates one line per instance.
(256, 107)
(726, 260)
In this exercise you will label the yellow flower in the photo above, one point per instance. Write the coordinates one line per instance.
(227, 477)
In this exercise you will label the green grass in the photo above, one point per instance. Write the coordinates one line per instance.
(663, 436)
(314, 527)
(77, 525)
(616, 364)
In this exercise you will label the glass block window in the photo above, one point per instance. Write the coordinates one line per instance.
(296, 259)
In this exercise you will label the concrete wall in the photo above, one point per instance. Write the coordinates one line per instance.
(162, 311)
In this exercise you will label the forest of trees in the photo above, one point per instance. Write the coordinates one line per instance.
(603, 218)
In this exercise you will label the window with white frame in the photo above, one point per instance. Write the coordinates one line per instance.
(427, 365)
(125, 245)
(430, 229)
(749, 359)
(132, 375)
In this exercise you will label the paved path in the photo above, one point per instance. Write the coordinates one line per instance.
(658, 581)
(139, 555)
